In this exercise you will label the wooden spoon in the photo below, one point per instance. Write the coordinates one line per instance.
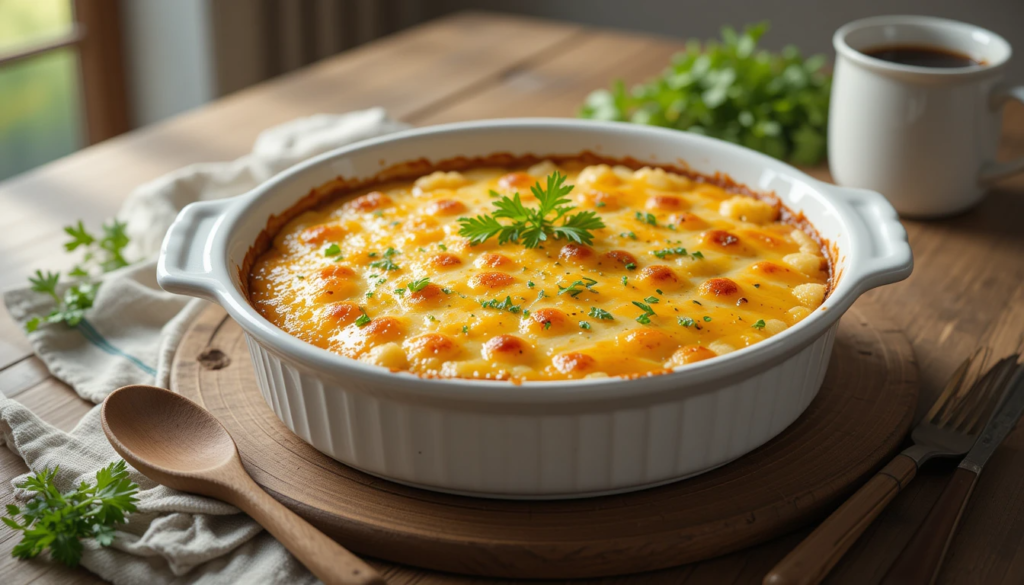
(177, 443)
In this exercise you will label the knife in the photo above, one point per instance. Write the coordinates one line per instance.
(920, 561)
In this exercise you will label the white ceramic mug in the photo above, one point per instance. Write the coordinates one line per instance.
(925, 137)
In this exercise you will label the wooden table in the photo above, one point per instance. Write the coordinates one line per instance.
(967, 287)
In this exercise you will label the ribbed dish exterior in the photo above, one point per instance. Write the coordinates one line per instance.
(493, 454)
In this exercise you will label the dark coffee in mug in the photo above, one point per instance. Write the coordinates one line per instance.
(921, 56)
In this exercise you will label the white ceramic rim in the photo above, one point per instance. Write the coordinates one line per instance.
(1001, 48)
(861, 275)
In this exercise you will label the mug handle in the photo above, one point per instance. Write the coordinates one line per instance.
(993, 171)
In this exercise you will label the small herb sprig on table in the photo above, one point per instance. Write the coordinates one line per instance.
(59, 522)
(103, 252)
(776, 103)
(532, 226)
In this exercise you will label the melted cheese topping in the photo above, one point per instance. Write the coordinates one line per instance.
(384, 277)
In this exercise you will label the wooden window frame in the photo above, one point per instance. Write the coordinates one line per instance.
(97, 39)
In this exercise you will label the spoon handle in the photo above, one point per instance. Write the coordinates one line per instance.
(325, 558)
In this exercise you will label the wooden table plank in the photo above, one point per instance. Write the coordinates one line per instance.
(558, 86)
(968, 286)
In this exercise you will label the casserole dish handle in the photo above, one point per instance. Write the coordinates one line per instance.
(186, 262)
(879, 237)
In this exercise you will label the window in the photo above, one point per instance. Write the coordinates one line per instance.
(61, 79)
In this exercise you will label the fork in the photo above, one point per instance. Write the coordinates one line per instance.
(949, 429)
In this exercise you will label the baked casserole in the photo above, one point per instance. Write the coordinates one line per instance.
(639, 271)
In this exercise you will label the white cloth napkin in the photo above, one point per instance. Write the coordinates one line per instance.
(129, 337)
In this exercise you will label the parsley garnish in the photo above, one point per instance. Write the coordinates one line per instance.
(400, 292)
(103, 251)
(733, 90)
(631, 266)
(530, 284)
(652, 300)
(601, 314)
(680, 251)
(443, 247)
(465, 328)
(644, 319)
(697, 255)
(418, 285)
(363, 320)
(759, 324)
(572, 289)
(625, 280)
(332, 250)
(706, 318)
(70, 308)
(647, 218)
(584, 325)
(685, 321)
(506, 305)
(60, 521)
(629, 235)
(386, 263)
(533, 226)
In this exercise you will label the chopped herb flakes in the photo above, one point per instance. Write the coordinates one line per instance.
(363, 320)
(685, 321)
(418, 285)
(584, 325)
(652, 300)
(385, 264)
(759, 324)
(506, 305)
(678, 251)
(706, 318)
(644, 319)
(601, 314)
(647, 218)
(573, 290)
(332, 250)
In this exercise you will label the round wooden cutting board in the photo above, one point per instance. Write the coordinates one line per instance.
(857, 421)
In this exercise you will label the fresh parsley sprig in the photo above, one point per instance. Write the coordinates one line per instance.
(70, 308)
(532, 226)
(59, 522)
(101, 251)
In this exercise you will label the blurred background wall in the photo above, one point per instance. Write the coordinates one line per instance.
(180, 54)
(252, 40)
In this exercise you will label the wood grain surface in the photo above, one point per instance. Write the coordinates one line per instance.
(967, 288)
(859, 418)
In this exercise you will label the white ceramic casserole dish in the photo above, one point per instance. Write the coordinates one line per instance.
(539, 439)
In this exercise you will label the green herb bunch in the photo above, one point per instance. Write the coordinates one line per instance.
(59, 522)
(776, 103)
(532, 226)
(103, 252)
